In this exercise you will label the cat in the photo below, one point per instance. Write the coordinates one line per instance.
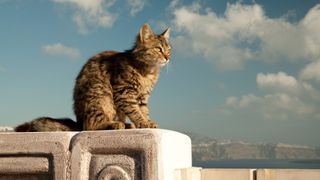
(113, 86)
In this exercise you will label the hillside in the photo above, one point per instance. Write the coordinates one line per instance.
(5, 128)
(206, 149)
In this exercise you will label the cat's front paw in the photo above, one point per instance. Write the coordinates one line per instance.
(153, 124)
(116, 125)
(147, 124)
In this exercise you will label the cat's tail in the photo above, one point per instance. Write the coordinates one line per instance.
(48, 124)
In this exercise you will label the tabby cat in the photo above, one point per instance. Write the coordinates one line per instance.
(112, 86)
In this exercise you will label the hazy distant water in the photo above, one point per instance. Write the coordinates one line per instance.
(285, 164)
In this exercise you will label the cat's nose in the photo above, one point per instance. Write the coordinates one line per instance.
(167, 57)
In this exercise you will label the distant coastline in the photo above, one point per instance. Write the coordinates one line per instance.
(210, 149)
(256, 164)
(6, 129)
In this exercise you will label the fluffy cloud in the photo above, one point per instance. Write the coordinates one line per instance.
(286, 98)
(277, 81)
(91, 13)
(311, 71)
(278, 106)
(60, 49)
(174, 3)
(136, 6)
(245, 33)
(311, 27)
(281, 82)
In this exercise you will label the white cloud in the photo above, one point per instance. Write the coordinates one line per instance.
(311, 27)
(311, 71)
(244, 33)
(280, 80)
(136, 6)
(283, 83)
(90, 13)
(174, 3)
(278, 106)
(60, 49)
(286, 98)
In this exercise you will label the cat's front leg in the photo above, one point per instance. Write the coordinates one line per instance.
(127, 101)
(145, 111)
(132, 110)
(143, 104)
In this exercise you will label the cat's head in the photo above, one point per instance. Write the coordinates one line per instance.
(152, 49)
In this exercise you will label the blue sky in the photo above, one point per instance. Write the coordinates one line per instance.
(245, 70)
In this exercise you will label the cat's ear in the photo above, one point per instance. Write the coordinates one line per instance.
(145, 33)
(166, 34)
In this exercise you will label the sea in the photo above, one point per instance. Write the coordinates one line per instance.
(260, 164)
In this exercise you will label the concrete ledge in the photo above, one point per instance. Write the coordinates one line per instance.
(226, 174)
(123, 154)
(288, 174)
(193, 173)
(20, 164)
(247, 174)
(43, 154)
(140, 154)
(137, 154)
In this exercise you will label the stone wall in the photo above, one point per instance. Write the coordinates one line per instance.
(135, 154)
(197, 173)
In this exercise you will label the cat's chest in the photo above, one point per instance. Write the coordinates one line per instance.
(147, 83)
(139, 81)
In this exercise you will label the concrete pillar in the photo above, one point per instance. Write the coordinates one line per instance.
(34, 155)
(288, 174)
(137, 154)
(129, 154)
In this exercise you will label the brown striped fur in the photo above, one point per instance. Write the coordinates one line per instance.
(114, 85)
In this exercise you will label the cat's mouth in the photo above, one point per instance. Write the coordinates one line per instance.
(164, 62)
(158, 62)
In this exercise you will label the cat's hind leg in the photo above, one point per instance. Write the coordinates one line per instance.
(100, 115)
(101, 122)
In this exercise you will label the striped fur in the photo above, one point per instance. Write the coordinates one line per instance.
(115, 85)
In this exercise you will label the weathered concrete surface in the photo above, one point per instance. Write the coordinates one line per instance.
(129, 154)
(288, 174)
(192, 173)
(227, 174)
(138, 154)
(34, 155)
(11, 165)
(246, 174)
(175, 152)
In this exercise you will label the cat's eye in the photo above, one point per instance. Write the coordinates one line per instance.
(159, 49)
